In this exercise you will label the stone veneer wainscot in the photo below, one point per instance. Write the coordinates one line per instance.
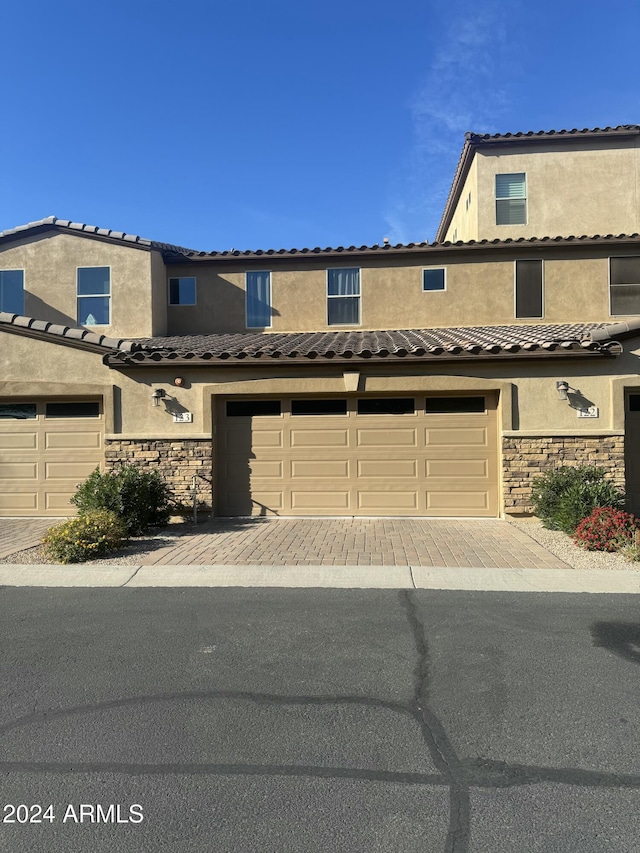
(525, 457)
(178, 460)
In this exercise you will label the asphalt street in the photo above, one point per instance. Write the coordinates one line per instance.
(232, 720)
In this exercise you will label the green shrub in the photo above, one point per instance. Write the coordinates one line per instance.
(606, 529)
(93, 534)
(140, 498)
(564, 496)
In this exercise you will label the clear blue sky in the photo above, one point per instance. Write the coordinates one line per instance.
(286, 123)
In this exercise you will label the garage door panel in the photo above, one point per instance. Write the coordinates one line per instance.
(387, 437)
(44, 456)
(54, 440)
(362, 463)
(458, 500)
(396, 468)
(18, 470)
(319, 438)
(73, 471)
(385, 501)
(319, 468)
(266, 468)
(18, 440)
(317, 500)
(465, 468)
(459, 436)
(13, 503)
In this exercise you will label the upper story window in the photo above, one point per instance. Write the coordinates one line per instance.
(434, 279)
(258, 300)
(529, 289)
(182, 291)
(625, 285)
(12, 291)
(511, 199)
(94, 296)
(343, 297)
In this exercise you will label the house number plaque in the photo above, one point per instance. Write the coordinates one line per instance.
(183, 417)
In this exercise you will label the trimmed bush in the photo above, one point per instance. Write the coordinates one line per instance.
(140, 498)
(93, 534)
(606, 529)
(564, 496)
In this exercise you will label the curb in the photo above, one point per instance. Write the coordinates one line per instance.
(324, 577)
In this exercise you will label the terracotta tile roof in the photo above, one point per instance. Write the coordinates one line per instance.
(483, 341)
(476, 140)
(53, 222)
(179, 254)
(397, 249)
(17, 323)
(618, 130)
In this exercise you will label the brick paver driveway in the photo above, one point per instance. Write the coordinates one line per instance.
(17, 534)
(355, 542)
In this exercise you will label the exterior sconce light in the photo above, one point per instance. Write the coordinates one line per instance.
(179, 381)
(562, 386)
(157, 395)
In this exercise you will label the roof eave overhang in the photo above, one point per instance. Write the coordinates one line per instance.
(243, 260)
(56, 339)
(115, 362)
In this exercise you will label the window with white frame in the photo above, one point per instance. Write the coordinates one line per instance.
(343, 297)
(12, 291)
(434, 279)
(529, 289)
(624, 285)
(182, 291)
(94, 296)
(258, 290)
(511, 199)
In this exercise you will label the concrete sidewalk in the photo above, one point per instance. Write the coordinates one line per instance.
(337, 577)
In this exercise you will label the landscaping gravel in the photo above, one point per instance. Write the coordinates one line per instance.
(128, 555)
(564, 547)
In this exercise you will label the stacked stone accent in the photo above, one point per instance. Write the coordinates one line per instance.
(525, 457)
(178, 460)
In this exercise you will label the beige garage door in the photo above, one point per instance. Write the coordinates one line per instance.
(406, 456)
(46, 447)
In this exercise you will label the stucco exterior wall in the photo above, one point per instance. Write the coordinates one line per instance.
(537, 430)
(480, 290)
(50, 262)
(464, 224)
(587, 188)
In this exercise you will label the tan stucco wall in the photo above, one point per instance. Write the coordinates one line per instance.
(571, 190)
(159, 295)
(480, 290)
(529, 402)
(50, 263)
(479, 287)
(464, 224)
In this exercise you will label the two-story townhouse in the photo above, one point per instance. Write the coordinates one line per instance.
(416, 380)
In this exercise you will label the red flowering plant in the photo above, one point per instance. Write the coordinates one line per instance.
(606, 529)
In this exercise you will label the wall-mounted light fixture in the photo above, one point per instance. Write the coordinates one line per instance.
(562, 386)
(179, 381)
(157, 395)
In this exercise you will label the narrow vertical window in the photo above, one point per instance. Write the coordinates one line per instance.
(343, 297)
(625, 285)
(529, 299)
(511, 199)
(12, 291)
(94, 296)
(258, 300)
